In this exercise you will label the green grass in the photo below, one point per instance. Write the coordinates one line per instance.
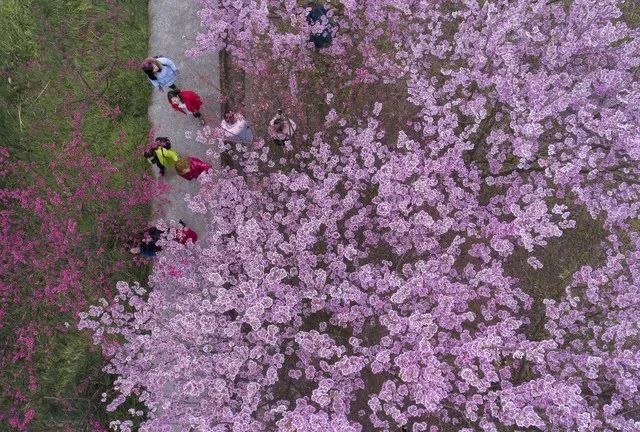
(68, 46)
(71, 384)
(49, 50)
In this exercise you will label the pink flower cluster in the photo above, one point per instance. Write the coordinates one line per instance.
(55, 222)
(382, 280)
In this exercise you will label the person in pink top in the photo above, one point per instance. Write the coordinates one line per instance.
(190, 167)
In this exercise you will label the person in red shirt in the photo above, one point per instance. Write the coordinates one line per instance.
(186, 101)
(190, 167)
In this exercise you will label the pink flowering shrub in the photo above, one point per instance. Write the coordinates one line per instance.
(380, 276)
(58, 222)
(73, 110)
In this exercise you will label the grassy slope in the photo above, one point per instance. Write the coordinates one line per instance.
(49, 44)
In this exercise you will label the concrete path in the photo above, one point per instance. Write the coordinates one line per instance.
(173, 29)
(174, 25)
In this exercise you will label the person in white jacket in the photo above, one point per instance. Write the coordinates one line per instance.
(281, 128)
(236, 128)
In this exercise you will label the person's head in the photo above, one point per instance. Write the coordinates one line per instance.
(183, 166)
(162, 142)
(151, 66)
(135, 250)
(230, 116)
(174, 97)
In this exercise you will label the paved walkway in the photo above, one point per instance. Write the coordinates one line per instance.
(174, 25)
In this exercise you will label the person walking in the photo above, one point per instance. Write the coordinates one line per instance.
(185, 101)
(281, 128)
(190, 167)
(161, 71)
(161, 154)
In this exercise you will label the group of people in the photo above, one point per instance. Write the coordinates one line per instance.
(162, 73)
(145, 243)
(162, 156)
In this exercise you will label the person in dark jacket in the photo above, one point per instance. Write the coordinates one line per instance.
(147, 245)
(190, 168)
(185, 101)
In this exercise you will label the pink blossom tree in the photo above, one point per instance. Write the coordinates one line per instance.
(380, 277)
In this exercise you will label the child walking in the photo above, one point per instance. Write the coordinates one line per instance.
(190, 167)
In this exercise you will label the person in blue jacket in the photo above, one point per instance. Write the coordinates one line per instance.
(161, 71)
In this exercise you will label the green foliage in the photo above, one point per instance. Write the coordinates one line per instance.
(71, 384)
(68, 363)
(84, 47)
(18, 41)
(131, 101)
